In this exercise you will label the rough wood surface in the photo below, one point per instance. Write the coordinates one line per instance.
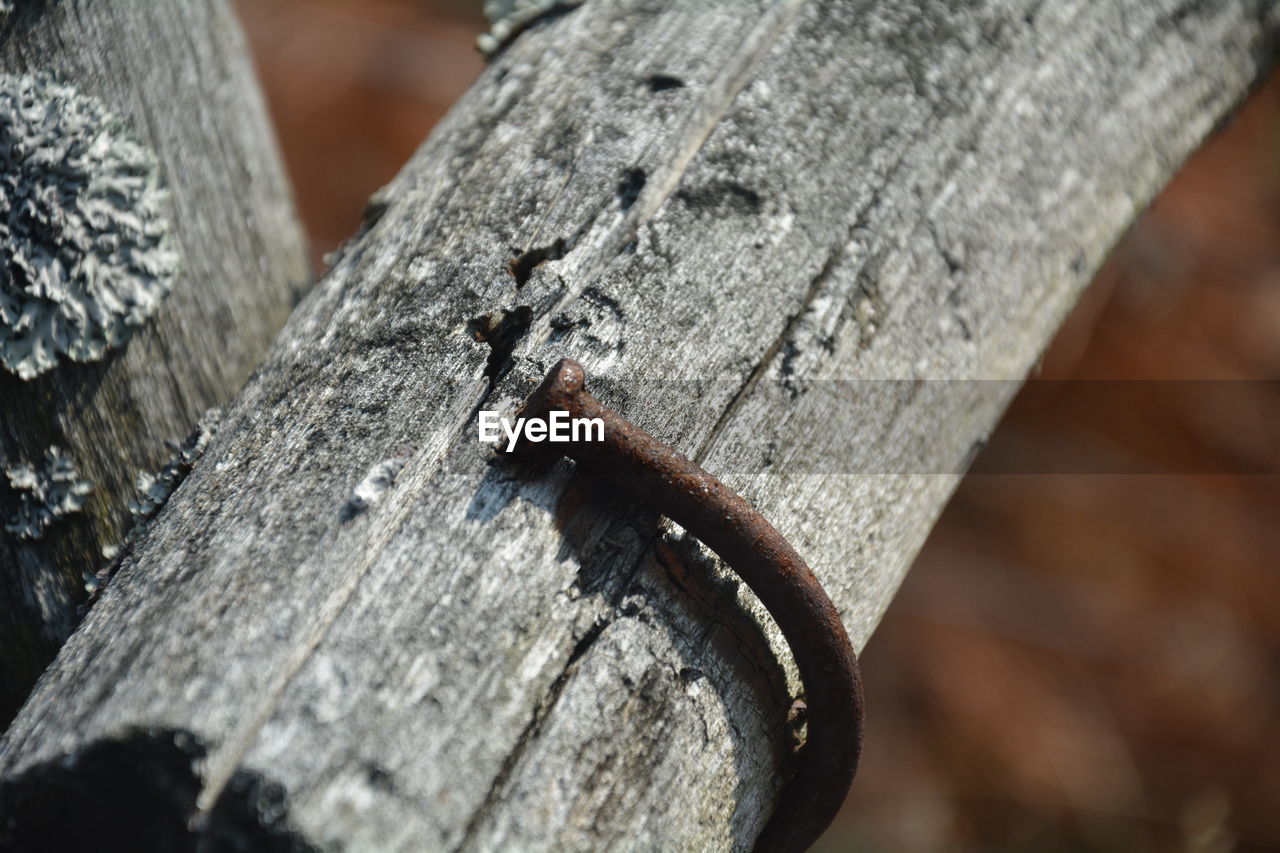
(794, 239)
(177, 73)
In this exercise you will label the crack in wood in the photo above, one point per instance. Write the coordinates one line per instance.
(663, 180)
(531, 730)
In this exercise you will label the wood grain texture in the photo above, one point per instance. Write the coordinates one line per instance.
(817, 245)
(178, 74)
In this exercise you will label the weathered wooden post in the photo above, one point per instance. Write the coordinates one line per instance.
(149, 254)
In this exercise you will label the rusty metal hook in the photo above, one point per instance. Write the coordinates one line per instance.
(679, 489)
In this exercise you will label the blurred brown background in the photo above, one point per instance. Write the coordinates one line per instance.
(1078, 661)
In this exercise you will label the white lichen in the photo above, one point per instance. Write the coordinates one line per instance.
(155, 489)
(45, 493)
(507, 18)
(379, 479)
(86, 255)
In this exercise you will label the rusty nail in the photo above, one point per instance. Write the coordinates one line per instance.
(678, 488)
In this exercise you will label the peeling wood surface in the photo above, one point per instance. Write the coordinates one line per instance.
(178, 74)
(797, 240)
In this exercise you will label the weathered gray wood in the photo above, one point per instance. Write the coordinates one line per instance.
(177, 75)
(737, 201)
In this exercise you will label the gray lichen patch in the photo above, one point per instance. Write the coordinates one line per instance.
(45, 493)
(155, 489)
(507, 18)
(84, 250)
